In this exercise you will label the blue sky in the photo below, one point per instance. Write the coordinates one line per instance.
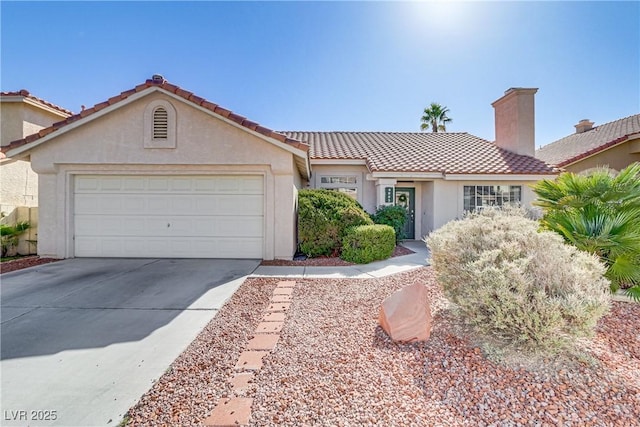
(336, 65)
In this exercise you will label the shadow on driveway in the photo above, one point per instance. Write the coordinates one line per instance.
(90, 302)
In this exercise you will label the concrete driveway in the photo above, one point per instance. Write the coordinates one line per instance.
(83, 339)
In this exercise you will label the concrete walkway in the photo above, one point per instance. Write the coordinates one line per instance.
(363, 271)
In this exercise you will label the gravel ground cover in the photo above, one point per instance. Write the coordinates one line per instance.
(334, 366)
(328, 261)
(24, 262)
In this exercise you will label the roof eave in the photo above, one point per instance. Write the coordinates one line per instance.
(595, 151)
(301, 150)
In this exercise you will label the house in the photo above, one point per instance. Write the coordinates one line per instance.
(615, 145)
(22, 114)
(157, 171)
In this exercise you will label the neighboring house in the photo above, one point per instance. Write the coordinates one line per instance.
(160, 172)
(614, 145)
(22, 114)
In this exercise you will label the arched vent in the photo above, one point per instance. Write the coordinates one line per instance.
(160, 123)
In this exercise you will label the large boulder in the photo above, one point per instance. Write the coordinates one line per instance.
(406, 315)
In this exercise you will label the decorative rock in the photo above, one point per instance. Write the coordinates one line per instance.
(406, 315)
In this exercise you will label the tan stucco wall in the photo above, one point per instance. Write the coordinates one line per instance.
(18, 185)
(436, 202)
(10, 122)
(366, 188)
(18, 182)
(26, 241)
(113, 144)
(618, 158)
(515, 121)
(20, 119)
(449, 198)
(427, 212)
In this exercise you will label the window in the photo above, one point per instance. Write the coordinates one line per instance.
(160, 123)
(477, 197)
(338, 180)
(347, 184)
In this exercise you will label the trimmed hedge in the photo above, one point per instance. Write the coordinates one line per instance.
(323, 219)
(394, 216)
(366, 243)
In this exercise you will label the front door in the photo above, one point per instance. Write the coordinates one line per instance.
(406, 197)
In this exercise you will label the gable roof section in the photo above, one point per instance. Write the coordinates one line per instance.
(575, 147)
(171, 89)
(448, 153)
(24, 94)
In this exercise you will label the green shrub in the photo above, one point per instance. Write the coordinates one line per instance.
(9, 235)
(366, 243)
(394, 216)
(516, 285)
(598, 212)
(323, 219)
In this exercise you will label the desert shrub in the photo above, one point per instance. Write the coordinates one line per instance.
(394, 216)
(516, 285)
(366, 243)
(323, 219)
(598, 212)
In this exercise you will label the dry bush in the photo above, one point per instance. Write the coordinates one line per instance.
(516, 285)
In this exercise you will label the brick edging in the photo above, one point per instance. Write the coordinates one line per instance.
(236, 411)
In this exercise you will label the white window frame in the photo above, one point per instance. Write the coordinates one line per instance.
(357, 186)
(498, 197)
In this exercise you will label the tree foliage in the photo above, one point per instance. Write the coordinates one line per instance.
(598, 212)
(435, 117)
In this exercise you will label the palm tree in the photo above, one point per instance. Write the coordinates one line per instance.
(435, 117)
(598, 213)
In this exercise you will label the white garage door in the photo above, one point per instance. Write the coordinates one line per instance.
(168, 216)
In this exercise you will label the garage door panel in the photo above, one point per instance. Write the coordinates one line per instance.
(169, 248)
(170, 226)
(151, 216)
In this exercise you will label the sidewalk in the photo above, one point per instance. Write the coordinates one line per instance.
(358, 271)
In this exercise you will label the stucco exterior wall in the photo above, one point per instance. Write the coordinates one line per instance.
(618, 158)
(10, 122)
(113, 144)
(27, 240)
(366, 188)
(19, 185)
(449, 198)
(427, 212)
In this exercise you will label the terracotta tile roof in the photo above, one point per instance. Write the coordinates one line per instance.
(25, 93)
(579, 145)
(163, 84)
(453, 153)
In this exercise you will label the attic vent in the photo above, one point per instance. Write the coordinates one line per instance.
(160, 123)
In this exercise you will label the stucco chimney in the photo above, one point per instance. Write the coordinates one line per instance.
(515, 121)
(583, 125)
